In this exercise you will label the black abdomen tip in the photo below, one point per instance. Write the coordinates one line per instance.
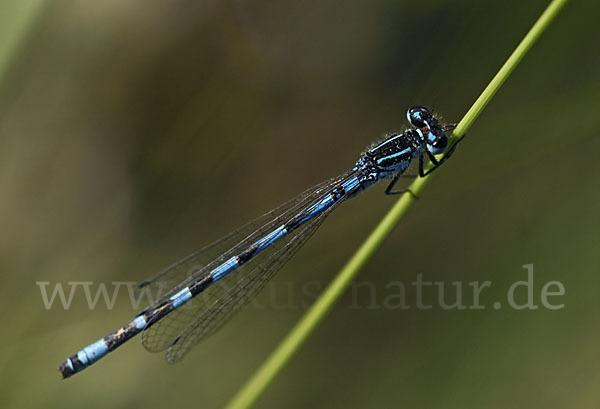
(66, 370)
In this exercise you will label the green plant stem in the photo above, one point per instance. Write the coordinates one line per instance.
(517, 55)
(256, 385)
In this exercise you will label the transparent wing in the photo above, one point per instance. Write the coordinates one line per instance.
(238, 290)
(168, 281)
(241, 284)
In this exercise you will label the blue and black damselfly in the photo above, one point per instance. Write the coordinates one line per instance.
(208, 287)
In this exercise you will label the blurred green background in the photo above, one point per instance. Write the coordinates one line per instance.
(134, 132)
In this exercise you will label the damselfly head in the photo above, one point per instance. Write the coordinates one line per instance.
(433, 132)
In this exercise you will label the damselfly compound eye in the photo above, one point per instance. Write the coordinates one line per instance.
(440, 143)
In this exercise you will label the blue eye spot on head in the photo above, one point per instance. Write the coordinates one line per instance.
(418, 116)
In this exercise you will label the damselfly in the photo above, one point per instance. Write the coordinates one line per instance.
(218, 280)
